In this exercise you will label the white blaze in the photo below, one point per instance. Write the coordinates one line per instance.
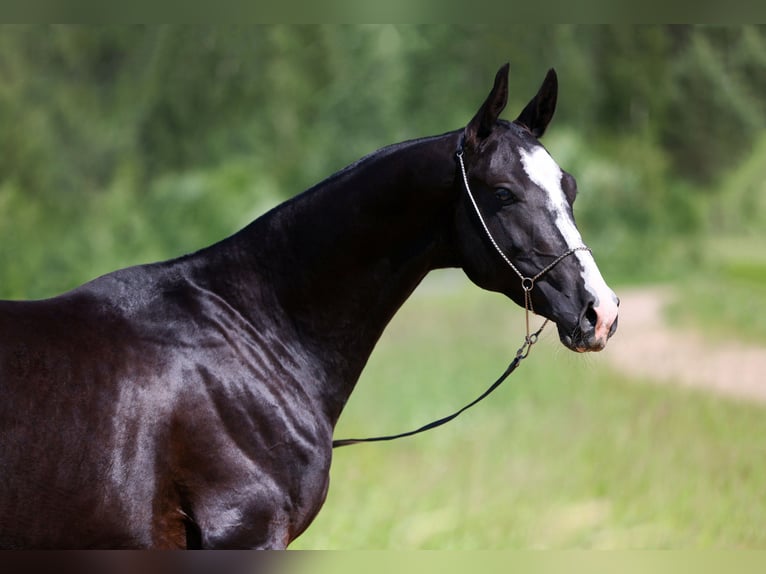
(544, 172)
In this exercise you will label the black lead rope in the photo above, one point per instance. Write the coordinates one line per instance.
(521, 354)
(436, 423)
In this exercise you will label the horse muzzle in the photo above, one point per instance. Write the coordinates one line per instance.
(596, 324)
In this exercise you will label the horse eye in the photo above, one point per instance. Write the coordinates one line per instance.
(504, 195)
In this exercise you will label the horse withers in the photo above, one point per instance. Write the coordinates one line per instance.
(191, 403)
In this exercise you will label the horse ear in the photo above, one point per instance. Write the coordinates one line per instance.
(482, 123)
(539, 111)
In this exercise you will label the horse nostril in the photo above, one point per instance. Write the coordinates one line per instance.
(589, 318)
(613, 328)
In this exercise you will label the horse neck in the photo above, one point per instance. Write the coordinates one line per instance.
(341, 258)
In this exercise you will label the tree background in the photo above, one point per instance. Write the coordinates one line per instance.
(124, 144)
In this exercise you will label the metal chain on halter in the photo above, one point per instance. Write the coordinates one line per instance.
(527, 283)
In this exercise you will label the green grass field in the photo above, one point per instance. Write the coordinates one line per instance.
(567, 454)
(726, 299)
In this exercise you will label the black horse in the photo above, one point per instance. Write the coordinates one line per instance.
(191, 403)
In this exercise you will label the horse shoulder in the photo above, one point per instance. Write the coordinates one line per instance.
(248, 449)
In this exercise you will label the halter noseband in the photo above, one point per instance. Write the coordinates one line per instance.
(527, 283)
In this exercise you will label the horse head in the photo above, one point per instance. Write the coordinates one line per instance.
(515, 224)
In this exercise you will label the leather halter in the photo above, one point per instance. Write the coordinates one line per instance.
(527, 284)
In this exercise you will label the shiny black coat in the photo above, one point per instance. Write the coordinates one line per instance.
(191, 403)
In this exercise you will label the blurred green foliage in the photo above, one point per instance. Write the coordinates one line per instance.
(122, 144)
